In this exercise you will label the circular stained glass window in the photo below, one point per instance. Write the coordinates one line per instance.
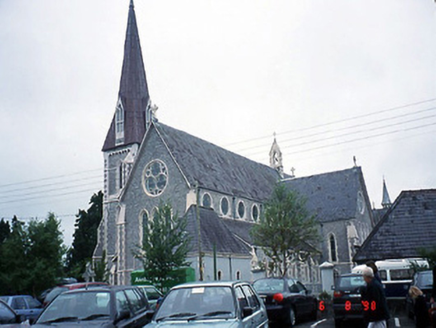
(224, 206)
(155, 178)
(241, 209)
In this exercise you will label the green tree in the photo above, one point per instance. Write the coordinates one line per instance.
(44, 254)
(165, 245)
(5, 230)
(286, 230)
(101, 270)
(13, 263)
(85, 236)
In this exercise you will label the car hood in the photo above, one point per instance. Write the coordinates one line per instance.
(193, 324)
(75, 324)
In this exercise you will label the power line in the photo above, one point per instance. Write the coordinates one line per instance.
(337, 121)
(48, 178)
(343, 128)
(353, 133)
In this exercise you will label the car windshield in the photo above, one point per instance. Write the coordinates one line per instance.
(351, 282)
(152, 293)
(55, 292)
(425, 279)
(269, 285)
(77, 306)
(200, 302)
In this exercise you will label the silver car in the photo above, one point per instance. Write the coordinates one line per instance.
(214, 304)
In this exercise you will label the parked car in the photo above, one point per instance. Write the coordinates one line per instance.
(63, 288)
(424, 281)
(152, 294)
(24, 305)
(110, 306)
(9, 317)
(287, 300)
(347, 300)
(214, 304)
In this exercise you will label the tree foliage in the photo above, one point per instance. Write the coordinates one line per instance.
(286, 230)
(85, 236)
(165, 245)
(31, 256)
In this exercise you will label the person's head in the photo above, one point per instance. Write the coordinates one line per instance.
(367, 274)
(414, 292)
(372, 265)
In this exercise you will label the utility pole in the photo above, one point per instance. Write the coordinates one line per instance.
(200, 256)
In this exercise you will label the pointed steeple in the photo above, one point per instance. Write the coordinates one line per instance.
(130, 120)
(275, 157)
(386, 201)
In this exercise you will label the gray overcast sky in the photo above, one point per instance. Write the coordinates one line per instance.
(226, 71)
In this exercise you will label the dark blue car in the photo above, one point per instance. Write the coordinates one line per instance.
(24, 305)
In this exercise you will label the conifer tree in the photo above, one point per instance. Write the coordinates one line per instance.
(286, 230)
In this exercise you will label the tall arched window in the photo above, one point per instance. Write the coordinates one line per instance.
(207, 201)
(220, 275)
(119, 124)
(238, 275)
(333, 249)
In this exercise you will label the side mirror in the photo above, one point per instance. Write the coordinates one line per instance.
(125, 314)
(149, 314)
(247, 311)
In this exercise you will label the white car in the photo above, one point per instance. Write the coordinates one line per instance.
(216, 304)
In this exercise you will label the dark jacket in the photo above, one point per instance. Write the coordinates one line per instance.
(374, 302)
(421, 312)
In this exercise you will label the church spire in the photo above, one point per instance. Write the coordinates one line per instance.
(275, 157)
(130, 120)
(386, 201)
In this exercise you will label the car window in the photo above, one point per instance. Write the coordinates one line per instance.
(425, 279)
(383, 275)
(18, 303)
(4, 298)
(122, 303)
(78, 305)
(135, 301)
(208, 301)
(269, 285)
(252, 299)
(54, 292)
(293, 287)
(32, 303)
(152, 293)
(401, 274)
(242, 299)
(351, 282)
(300, 286)
(6, 315)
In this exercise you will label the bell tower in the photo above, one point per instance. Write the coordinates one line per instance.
(275, 157)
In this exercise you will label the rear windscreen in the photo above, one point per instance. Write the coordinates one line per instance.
(351, 282)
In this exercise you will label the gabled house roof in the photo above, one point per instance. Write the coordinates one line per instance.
(216, 168)
(410, 224)
(133, 91)
(332, 196)
(213, 232)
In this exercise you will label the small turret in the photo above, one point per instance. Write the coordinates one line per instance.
(275, 157)
(386, 201)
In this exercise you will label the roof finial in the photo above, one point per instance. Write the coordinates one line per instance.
(131, 3)
(355, 161)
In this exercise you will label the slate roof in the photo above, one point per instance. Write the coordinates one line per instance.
(213, 231)
(331, 196)
(133, 90)
(407, 226)
(216, 168)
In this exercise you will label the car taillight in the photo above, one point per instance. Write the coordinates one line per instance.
(278, 297)
(337, 293)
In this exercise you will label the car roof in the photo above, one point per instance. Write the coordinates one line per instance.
(107, 288)
(220, 283)
(76, 284)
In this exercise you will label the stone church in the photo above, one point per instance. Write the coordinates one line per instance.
(220, 193)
